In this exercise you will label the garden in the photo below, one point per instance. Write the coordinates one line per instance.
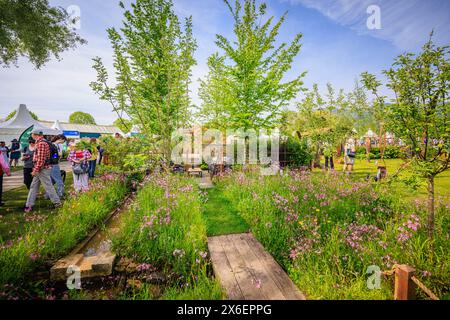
(355, 186)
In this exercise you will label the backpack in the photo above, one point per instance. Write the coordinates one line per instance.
(351, 154)
(54, 153)
(80, 168)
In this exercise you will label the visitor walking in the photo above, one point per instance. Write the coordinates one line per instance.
(14, 153)
(80, 166)
(94, 155)
(41, 172)
(27, 158)
(4, 168)
(58, 141)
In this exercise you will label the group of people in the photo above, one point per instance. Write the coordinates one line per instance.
(41, 166)
(349, 156)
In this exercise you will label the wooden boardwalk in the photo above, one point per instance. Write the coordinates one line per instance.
(247, 271)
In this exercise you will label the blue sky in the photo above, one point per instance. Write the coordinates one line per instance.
(337, 47)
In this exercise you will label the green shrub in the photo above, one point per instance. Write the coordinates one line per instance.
(296, 153)
(390, 152)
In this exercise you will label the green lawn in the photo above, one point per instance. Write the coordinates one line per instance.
(13, 221)
(221, 216)
(362, 168)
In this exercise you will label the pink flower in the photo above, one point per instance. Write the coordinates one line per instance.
(426, 274)
(34, 256)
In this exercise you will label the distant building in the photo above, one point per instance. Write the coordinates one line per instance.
(78, 131)
(22, 120)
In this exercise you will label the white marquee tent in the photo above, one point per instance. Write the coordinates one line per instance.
(22, 120)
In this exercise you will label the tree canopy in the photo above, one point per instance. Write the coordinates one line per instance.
(153, 57)
(420, 112)
(245, 86)
(34, 29)
(80, 117)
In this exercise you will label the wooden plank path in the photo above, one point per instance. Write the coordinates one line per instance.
(247, 271)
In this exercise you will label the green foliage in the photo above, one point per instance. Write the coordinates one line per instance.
(323, 121)
(327, 229)
(128, 154)
(420, 112)
(297, 153)
(35, 30)
(124, 125)
(80, 117)
(166, 228)
(61, 232)
(245, 88)
(390, 152)
(13, 113)
(204, 288)
(153, 58)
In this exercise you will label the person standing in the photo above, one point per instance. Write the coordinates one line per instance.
(328, 153)
(80, 166)
(41, 172)
(100, 154)
(349, 157)
(58, 140)
(4, 151)
(14, 153)
(94, 155)
(27, 158)
(4, 168)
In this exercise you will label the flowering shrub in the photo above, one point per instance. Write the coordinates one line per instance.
(54, 237)
(327, 229)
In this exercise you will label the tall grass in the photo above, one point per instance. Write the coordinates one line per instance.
(60, 233)
(326, 230)
(165, 228)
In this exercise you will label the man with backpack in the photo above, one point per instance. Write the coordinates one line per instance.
(42, 160)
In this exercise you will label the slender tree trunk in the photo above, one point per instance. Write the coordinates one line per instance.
(431, 207)
(317, 157)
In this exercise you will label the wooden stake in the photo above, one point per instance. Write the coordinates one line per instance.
(405, 288)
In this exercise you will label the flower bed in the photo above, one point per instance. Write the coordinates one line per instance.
(58, 234)
(166, 229)
(326, 230)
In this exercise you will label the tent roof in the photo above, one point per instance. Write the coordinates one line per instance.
(21, 121)
(86, 128)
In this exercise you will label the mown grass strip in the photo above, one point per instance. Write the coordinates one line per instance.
(221, 215)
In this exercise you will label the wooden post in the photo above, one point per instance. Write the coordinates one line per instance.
(405, 288)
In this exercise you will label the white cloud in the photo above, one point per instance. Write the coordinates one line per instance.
(405, 23)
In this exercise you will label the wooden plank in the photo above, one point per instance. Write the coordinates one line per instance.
(289, 289)
(223, 270)
(258, 268)
(246, 281)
